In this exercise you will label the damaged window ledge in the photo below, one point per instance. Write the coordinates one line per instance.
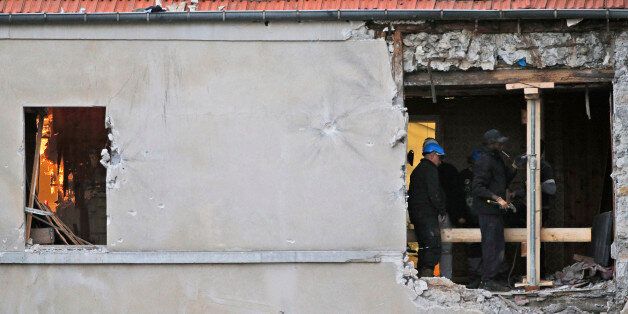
(100, 255)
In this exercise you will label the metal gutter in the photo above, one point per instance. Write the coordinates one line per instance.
(322, 15)
(72, 254)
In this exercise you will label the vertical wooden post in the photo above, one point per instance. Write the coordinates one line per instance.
(533, 182)
(34, 176)
(397, 66)
(533, 187)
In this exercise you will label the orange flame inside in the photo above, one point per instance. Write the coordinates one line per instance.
(50, 185)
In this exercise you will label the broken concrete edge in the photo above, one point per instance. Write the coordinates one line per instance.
(465, 50)
(441, 294)
(111, 157)
(619, 114)
(100, 255)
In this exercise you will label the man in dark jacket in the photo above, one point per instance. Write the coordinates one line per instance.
(491, 178)
(426, 205)
(548, 189)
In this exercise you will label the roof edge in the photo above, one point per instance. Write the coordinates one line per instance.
(318, 15)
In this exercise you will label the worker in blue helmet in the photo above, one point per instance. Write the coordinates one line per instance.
(426, 203)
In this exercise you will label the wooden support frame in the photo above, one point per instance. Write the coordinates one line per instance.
(533, 175)
(509, 76)
(471, 235)
(397, 67)
(533, 186)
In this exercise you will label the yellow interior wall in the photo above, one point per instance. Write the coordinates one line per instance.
(417, 133)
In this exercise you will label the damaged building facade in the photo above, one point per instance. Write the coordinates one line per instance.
(244, 160)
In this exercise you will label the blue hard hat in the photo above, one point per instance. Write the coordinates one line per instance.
(428, 141)
(433, 147)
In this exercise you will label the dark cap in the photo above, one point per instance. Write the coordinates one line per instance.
(494, 136)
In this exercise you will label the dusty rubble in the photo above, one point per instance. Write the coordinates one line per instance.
(439, 294)
(581, 273)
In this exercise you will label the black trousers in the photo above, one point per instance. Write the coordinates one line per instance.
(493, 245)
(427, 231)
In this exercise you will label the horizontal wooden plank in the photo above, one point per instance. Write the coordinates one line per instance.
(519, 235)
(530, 85)
(542, 283)
(491, 90)
(470, 235)
(510, 76)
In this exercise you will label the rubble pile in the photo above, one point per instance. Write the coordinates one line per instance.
(441, 295)
(581, 273)
(583, 289)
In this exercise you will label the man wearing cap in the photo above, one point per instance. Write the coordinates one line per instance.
(426, 202)
(491, 178)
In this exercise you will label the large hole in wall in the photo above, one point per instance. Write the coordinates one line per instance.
(577, 145)
(65, 182)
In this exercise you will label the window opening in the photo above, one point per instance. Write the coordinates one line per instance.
(65, 182)
(577, 147)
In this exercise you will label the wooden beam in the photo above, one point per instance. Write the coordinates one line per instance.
(397, 67)
(34, 177)
(470, 235)
(531, 90)
(533, 185)
(524, 85)
(510, 76)
(491, 90)
(542, 283)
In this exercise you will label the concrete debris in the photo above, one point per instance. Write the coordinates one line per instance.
(464, 50)
(359, 31)
(581, 273)
(441, 294)
(521, 300)
(571, 310)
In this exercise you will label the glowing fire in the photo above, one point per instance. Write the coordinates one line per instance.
(50, 189)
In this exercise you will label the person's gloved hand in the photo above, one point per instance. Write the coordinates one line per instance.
(520, 161)
(442, 217)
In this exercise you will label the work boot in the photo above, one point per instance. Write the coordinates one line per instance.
(426, 272)
(493, 286)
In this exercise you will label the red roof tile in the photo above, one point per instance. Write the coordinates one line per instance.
(101, 6)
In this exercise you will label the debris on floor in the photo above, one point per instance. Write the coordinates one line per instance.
(588, 294)
(584, 271)
(50, 219)
(438, 294)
